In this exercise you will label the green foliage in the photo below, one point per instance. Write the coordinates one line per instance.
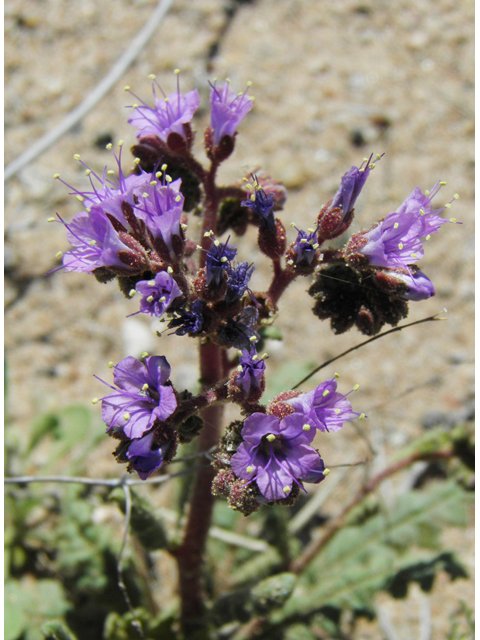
(123, 627)
(55, 630)
(29, 603)
(382, 553)
(462, 624)
(147, 527)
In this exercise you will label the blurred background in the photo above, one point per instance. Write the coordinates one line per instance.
(333, 83)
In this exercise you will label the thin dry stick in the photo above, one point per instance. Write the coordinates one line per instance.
(121, 584)
(95, 96)
(362, 344)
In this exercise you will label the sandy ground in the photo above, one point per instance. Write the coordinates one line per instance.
(332, 82)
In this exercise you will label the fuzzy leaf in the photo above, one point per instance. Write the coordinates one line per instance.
(145, 525)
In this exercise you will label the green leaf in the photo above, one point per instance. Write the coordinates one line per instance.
(380, 552)
(56, 630)
(148, 528)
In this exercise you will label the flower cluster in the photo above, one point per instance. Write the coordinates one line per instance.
(135, 229)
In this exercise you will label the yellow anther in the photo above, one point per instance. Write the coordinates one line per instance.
(136, 161)
(126, 416)
(270, 437)
(287, 489)
(151, 76)
(162, 299)
(76, 156)
(362, 416)
(153, 183)
(94, 400)
(110, 172)
(88, 172)
(442, 184)
(315, 246)
(199, 246)
(109, 146)
(135, 105)
(56, 176)
(92, 243)
(150, 299)
(396, 225)
(145, 386)
(224, 259)
(400, 245)
(120, 143)
(50, 219)
(456, 196)
(158, 174)
(59, 254)
(176, 72)
(337, 411)
(304, 241)
(178, 198)
(453, 220)
(169, 270)
(240, 368)
(151, 283)
(110, 365)
(145, 354)
(306, 427)
(249, 83)
(356, 387)
(448, 205)
(292, 224)
(168, 179)
(255, 357)
(289, 262)
(264, 355)
(326, 393)
(131, 293)
(144, 194)
(126, 88)
(253, 339)
(80, 198)
(184, 226)
(249, 469)
(216, 243)
(378, 156)
(427, 192)
(422, 212)
(326, 472)
(336, 375)
(163, 167)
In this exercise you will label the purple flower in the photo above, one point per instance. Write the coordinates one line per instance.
(252, 370)
(275, 454)
(169, 115)
(217, 262)
(237, 282)
(239, 332)
(305, 246)
(324, 408)
(350, 186)
(419, 287)
(262, 203)
(95, 243)
(144, 457)
(157, 294)
(397, 240)
(141, 397)
(188, 321)
(227, 111)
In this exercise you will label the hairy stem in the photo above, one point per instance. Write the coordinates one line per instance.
(190, 555)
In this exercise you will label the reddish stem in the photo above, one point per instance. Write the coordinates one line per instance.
(280, 281)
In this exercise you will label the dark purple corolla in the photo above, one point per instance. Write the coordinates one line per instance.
(218, 260)
(145, 457)
(397, 240)
(275, 454)
(188, 320)
(169, 115)
(227, 111)
(237, 281)
(157, 294)
(305, 246)
(141, 397)
(262, 203)
(324, 407)
(251, 372)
